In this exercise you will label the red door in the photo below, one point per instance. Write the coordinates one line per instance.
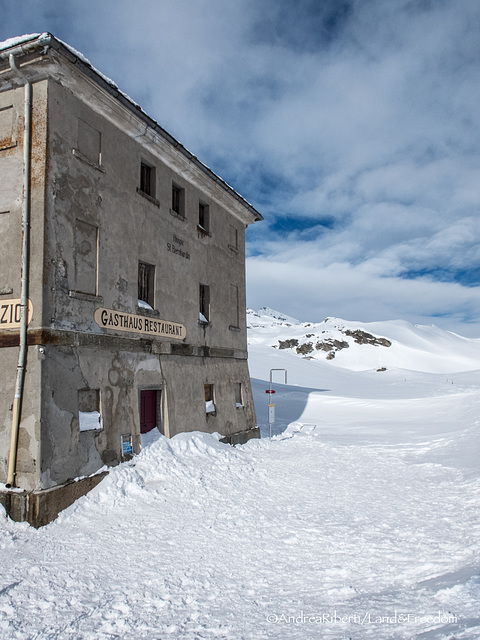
(148, 410)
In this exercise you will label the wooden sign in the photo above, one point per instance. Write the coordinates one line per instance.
(121, 321)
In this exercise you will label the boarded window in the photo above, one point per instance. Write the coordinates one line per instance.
(234, 307)
(89, 417)
(89, 142)
(204, 310)
(146, 285)
(233, 244)
(7, 120)
(86, 257)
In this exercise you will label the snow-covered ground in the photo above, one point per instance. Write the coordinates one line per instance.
(359, 519)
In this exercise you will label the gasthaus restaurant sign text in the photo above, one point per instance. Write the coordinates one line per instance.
(121, 321)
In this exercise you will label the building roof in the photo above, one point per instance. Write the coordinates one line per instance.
(40, 43)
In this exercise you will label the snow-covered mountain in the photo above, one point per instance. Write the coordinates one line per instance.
(361, 346)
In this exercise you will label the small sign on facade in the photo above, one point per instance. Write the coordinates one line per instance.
(127, 445)
(271, 413)
(10, 312)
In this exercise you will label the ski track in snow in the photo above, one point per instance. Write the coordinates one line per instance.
(359, 519)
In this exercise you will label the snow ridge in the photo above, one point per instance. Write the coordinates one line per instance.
(366, 346)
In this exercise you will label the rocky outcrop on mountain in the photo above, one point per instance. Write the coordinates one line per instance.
(313, 340)
(332, 345)
(362, 337)
(363, 346)
(305, 348)
(287, 344)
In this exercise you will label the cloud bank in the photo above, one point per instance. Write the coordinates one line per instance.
(352, 125)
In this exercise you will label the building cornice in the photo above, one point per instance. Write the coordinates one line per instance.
(116, 106)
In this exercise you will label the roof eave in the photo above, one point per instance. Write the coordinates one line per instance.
(41, 43)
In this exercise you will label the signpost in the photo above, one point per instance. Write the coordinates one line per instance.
(271, 406)
(271, 416)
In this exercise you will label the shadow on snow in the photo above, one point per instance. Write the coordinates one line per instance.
(290, 402)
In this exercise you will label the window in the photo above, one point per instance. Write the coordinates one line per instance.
(89, 143)
(86, 257)
(233, 244)
(209, 399)
(204, 310)
(234, 307)
(146, 285)
(89, 417)
(238, 394)
(147, 186)
(7, 121)
(147, 179)
(204, 217)
(178, 200)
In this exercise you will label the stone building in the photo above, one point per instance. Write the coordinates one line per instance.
(122, 282)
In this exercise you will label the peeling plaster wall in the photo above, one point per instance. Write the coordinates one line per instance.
(90, 228)
(28, 463)
(11, 205)
(186, 378)
(67, 452)
(132, 228)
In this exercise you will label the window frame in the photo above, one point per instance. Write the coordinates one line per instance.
(7, 126)
(239, 401)
(204, 303)
(233, 244)
(203, 218)
(84, 269)
(89, 142)
(89, 410)
(148, 182)
(235, 307)
(178, 200)
(146, 284)
(209, 395)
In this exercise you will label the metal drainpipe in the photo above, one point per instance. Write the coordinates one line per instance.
(22, 355)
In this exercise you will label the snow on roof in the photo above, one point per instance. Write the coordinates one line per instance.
(48, 39)
(13, 42)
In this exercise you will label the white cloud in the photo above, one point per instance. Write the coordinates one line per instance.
(361, 115)
(359, 293)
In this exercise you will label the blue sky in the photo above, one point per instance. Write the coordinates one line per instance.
(352, 125)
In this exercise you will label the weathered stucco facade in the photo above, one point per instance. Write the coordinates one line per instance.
(136, 276)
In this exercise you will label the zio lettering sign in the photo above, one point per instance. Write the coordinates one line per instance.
(10, 314)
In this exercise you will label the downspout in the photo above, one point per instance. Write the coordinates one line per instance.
(22, 355)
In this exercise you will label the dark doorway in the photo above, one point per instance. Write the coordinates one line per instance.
(148, 410)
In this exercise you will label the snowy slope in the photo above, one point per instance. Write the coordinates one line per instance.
(342, 343)
(359, 519)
